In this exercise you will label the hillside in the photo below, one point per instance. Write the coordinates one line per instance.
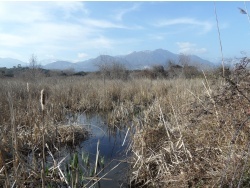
(133, 61)
(10, 62)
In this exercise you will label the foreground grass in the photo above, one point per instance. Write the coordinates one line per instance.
(27, 130)
(195, 142)
(186, 132)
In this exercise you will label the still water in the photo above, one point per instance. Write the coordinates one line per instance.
(113, 146)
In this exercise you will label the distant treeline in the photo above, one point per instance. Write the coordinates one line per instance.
(36, 72)
(112, 70)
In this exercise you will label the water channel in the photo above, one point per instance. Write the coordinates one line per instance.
(113, 145)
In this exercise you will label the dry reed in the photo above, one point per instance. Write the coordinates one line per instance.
(204, 142)
(182, 130)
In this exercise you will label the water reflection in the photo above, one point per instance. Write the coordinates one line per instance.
(111, 147)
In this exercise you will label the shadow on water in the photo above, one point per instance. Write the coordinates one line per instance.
(112, 148)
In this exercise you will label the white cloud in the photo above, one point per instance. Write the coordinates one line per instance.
(38, 28)
(101, 24)
(206, 26)
(58, 32)
(104, 24)
(11, 40)
(100, 42)
(82, 55)
(22, 12)
(54, 27)
(190, 48)
(10, 53)
(158, 37)
(53, 36)
(70, 8)
(31, 12)
(122, 12)
(50, 56)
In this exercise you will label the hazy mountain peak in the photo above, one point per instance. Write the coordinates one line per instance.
(10, 62)
(48, 61)
(134, 60)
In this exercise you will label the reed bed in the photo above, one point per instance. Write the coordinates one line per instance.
(28, 127)
(184, 132)
(196, 137)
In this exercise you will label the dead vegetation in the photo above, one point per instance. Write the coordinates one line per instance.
(29, 130)
(186, 132)
(198, 144)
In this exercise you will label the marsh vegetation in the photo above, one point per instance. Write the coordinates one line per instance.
(180, 131)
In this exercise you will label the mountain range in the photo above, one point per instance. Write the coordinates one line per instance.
(134, 60)
(10, 62)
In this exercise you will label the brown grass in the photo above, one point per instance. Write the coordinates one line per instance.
(28, 126)
(187, 132)
(199, 141)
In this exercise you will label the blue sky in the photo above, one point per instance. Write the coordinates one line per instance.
(77, 31)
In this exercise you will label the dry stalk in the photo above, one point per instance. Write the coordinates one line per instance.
(209, 91)
(188, 154)
(232, 144)
(97, 156)
(125, 137)
(102, 177)
(95, 178)
(244, 166)
(14, 138)
(247, 12)
(28, 88)
(7, 181)
(168, 131)
(196, 98)
(42, 101)
(218, 29)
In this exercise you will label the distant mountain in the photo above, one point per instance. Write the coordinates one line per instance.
(47, 61)
(61, 65)
(201, 63)
(92, 64)
(148, 58)
(134, 60)
(141, 59)
(10, 62)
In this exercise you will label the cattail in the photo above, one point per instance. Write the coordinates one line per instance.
(42, 100)
(28, 88)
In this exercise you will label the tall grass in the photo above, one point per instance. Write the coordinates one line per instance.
(200, 139)
(181, 135)
(33, 126)
(26, 128)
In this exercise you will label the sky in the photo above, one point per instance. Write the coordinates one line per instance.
(77, 31)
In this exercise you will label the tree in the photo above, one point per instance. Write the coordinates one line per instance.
(33, 65)
(191, 72)
(111, 69)
(170, 63)
(34, 68)
(184, 59)
(158, 71)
